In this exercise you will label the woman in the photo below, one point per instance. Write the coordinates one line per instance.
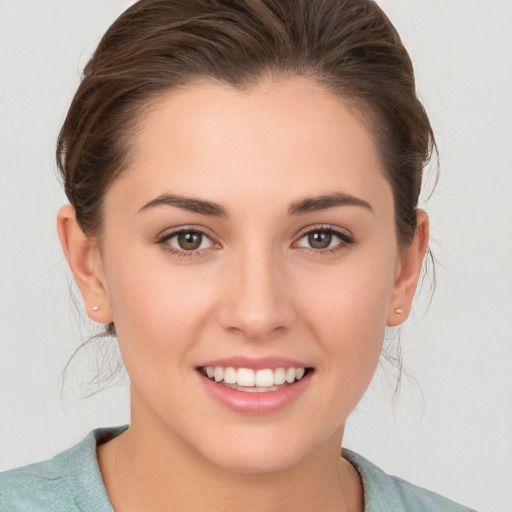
(243, 180)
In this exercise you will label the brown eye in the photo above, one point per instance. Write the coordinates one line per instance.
(324, 239)
(190, 240)
(319, 239)
(187, 241)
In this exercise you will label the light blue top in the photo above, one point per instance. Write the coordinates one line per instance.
(71, 482)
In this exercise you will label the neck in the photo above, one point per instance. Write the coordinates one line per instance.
(147, 467)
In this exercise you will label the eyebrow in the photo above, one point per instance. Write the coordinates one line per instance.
(324, 202)
(210, 208)
(190, 204)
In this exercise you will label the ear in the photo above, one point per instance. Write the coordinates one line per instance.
(408, 271)
(84, 259)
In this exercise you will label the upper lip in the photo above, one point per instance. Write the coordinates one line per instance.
(272, 362)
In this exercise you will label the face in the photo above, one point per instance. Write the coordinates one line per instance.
(253, 234)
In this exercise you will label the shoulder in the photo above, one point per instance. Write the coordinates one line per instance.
(386, 493)
(41, 486)
(71, 481)
(34, 487)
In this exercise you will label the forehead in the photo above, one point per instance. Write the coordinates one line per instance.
(278, 140)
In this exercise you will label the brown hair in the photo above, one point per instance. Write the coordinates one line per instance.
(348, 46)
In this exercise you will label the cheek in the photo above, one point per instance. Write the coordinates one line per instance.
(347, 315)
(159, 317)
(356, 294)
(351, 326)
(158, 310)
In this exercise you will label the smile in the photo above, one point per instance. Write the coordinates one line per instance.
(253, 381)
(255, 387)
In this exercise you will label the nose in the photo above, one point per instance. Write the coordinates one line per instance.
(256, 299)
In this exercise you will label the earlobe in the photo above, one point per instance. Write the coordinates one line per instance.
(409, 268)
(84, 260)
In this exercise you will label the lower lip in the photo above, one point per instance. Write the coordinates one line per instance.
(256, 403)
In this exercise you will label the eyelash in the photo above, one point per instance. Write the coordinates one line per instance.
(345, 241)
(163, 241)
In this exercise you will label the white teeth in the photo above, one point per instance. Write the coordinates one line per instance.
(245, 377)
(279, 376)
(290, 375)
(230, 375)
(258, 381)
(264, 378)
(218, 374)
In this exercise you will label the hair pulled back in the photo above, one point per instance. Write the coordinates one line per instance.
(348, 46)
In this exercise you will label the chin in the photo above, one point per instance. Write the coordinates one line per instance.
(259, 453)
(250, 461)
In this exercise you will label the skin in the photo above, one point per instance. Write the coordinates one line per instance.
(256, 289)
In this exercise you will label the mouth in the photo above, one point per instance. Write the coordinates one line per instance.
(254, 381)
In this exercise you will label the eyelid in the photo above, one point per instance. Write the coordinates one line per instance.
(170, 233)
(345, 236)
(341, 232)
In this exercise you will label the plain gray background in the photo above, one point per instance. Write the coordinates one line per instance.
(452, 428)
